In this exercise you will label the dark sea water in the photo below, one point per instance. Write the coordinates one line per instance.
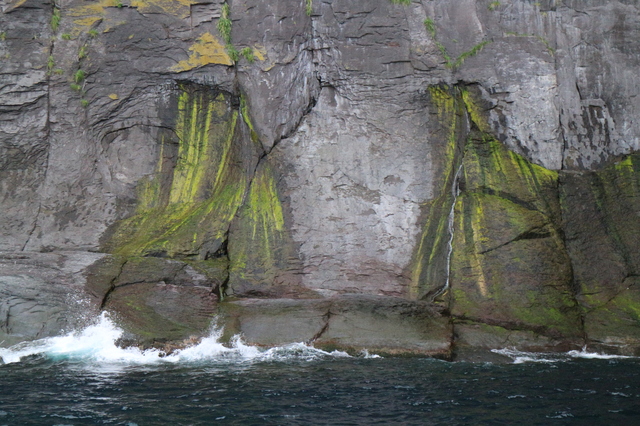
(83, 379)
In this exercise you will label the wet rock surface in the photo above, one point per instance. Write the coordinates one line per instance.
(42, 294)
(353, 323)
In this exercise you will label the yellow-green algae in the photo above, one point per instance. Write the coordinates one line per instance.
(617, 193)
(182, 207)
(204, 51)
(509, 264)
(429, 260)
(259, 245)
(601, 209)
(84, 14)
(205, 194)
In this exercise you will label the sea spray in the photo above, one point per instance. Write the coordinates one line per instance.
(97, 344)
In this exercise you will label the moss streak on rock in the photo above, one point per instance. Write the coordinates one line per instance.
(179, 8)
(183, 207)
(428, 264)
(259, 244)
(509, 262)
(601, 216)
(509, 265)
(85, 14)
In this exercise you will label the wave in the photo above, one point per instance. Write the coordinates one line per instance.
(97, 344)
(520, 357)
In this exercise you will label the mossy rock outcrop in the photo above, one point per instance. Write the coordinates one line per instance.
(601, 212)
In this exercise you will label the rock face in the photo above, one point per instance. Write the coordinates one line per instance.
(386, 325)
(42, 294)
(475, 160)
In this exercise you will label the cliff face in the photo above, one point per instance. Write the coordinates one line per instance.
(473, 161)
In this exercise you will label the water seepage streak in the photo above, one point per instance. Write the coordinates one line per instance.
(455, 192)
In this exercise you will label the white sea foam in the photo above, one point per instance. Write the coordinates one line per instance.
(97, 344)
(594, 355)
(520, 357)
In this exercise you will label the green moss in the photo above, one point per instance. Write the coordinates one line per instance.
(546, 43)
(475, 112)
(79, 76)
(233, 53)
(50, 64)
(55, 19)
(616, 190)
(224, 24)
(509, 260)
(247, 53)
(244, 110)
(82, 52)
(431, 27)
(468, 54)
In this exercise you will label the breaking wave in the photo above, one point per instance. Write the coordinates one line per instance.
(97, 344)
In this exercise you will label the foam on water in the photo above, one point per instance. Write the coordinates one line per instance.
(520, 357)
(97, 344)
(583, 353)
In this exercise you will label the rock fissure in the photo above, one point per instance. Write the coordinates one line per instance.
(294, 129)
(530, 234)
(33, 228)
(327, 319)
(510, 325)
(112, 286)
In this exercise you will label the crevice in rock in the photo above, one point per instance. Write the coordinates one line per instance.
(47, 137)
(35, 224)
(586, 310)
(327, 319)
(221, 290)
(511, 325)
(535, 233)
(313, 100)
(573, 285)
(112, 286)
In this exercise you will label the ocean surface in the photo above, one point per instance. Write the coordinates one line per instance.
(84, 379)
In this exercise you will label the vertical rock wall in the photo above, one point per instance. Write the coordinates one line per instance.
(444, 151)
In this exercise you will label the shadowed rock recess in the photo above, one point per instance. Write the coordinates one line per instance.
(430, 177)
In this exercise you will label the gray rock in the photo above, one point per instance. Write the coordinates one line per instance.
(382, 325)
(42, 294)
